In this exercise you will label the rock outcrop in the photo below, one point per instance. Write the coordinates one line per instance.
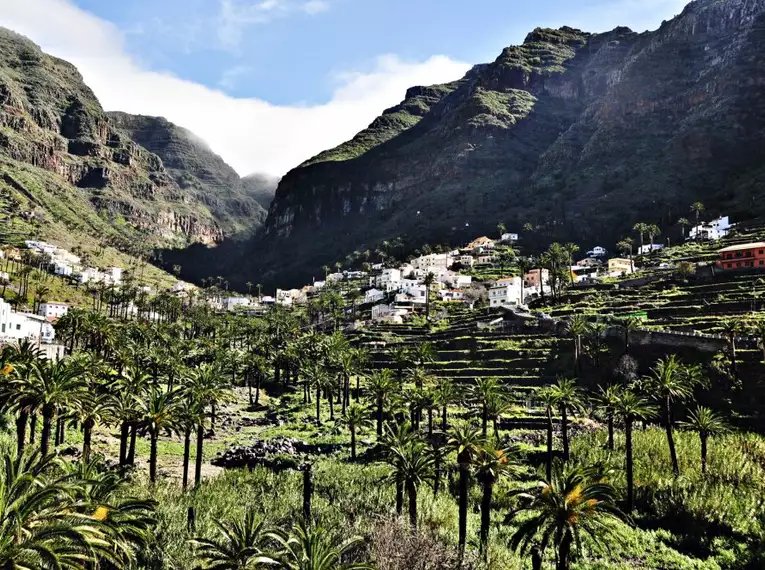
(580, 135)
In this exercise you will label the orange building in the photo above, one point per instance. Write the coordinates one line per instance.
(744, 256)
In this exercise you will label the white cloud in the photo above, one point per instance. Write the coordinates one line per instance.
(315, 6)
(230, 77)
(250, 134)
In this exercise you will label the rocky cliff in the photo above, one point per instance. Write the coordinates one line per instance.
(65, 161)
(198, 172)
(580, 135)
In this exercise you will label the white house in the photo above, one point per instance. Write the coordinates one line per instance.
(432, 263)
(114, 274)
(180, 286)
(465, 260)
(649, 247)
(62, 268)
(335, 277)
(289, 297)
(457, 280)
(373, 295)
(388, 280)
(17, 326)
(52, 310)
(90, 275)
(233, 303)
(713, 230)
(597, 251)
(505, 292)
(388, 313)
(452, 295)
(41, 246)
(508, 237)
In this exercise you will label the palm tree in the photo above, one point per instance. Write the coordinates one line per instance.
(568, 397)
(241, 544)
(48, 387)
(630, 407)
(428, 282)
(549, 399)
(481, 394)
(625, 247)
(501, 229)
(37, 518)
(706, 423)
(207, 387)
(380, 385)
(578, 326)
(445, 394)
(731, 328)
(573, 502)
(313, 549)
(642, 229)
(157, 409)
(490, 464)
(412, 463)
(607, 400)
(466, 440)
(629, 324)
(652, 231)
(668, 383)
(697, 208)
(355, 417)
(683, 223)
(759, 332)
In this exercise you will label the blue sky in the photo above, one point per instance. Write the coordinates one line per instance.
(289, 52)
(270, 83)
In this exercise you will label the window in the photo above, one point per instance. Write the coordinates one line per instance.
(730, 265)
(762, 262)
(762, 251)
(738, 264)
(18, 327)
(3, 328)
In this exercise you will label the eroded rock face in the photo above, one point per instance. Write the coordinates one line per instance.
(277, 453)
(580, 135)
(51, 120)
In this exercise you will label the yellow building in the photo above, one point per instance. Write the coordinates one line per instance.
(619, 266)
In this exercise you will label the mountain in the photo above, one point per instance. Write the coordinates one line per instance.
(261, 187)
(69, 171)
(579, 135)
(199, 172)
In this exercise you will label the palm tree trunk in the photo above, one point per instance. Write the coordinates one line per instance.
(123, 442)
(411, 491)
(564, 552)
(257, 388)
(463, 505)
(331, 398)
(564, 431)
(48, 414)
(21, 429)
(430, 421)
(198, 459)
(488, 489)
(443, 419)
(358, 387)
(379, 417)
(548, 471)
(399, 497)
(131, 448)
(703, 437)
(153, 457)
(670, 437)
(186, 456)
(87, 432)
(318, 405)
(353, 442)
(484, 420)
(630, 467)
(436, 471)
(307, 493)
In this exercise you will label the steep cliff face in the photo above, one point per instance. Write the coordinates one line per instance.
(580, 135)
(200, 173)
(55, 137)
(261, 187)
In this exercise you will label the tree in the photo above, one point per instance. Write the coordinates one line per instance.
(481, 394)
(428, 281)
(630, 407)
(629, 324)
(466, 440)
(731, 329)
(501, 229)
(642, 229)
(36, 518)
(445, 394)
(707, 424)
(380, 385)
(490, 464)
(652, 230)
(207, 387)
(683, 223)
(669, 382)
(240, 545)
(549, 399)
(697, 208)
(578, 326)
(157, 409)
(607, 400)
(413, 465)
(567, 396)
(625, 247)
(313, 549)
(575, 501)
(355, 417)
(759, 332)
